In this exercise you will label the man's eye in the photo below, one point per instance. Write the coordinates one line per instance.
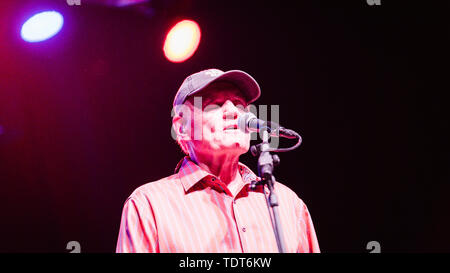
(211, 107)
(240, 105)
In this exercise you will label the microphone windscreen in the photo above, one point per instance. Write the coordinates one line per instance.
(243, 121)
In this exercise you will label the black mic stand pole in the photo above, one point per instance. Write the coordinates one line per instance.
(266, 162)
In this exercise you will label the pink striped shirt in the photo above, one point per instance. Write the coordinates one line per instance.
(193, 211)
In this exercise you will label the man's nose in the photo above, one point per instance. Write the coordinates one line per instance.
(230, 111)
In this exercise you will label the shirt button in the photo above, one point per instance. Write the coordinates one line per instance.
(234, 201)
(244, 229)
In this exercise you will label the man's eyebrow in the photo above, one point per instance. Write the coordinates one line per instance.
(207, 99)
(241, 100)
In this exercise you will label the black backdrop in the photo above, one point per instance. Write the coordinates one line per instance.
(85, 116)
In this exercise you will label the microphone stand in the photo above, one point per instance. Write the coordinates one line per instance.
(266, 163)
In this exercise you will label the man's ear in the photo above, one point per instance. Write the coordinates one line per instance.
(180, 126)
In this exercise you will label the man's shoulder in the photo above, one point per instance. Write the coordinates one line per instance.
(284, 190)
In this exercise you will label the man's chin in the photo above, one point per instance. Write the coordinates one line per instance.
(236, 148)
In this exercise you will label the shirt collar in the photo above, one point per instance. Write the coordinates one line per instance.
(190, 173)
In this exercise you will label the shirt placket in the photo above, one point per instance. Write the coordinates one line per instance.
(241, 225)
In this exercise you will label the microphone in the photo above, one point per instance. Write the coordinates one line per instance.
(248, 122)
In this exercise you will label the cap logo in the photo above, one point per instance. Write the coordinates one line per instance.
(213, 73)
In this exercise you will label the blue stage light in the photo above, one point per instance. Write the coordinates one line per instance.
(42, 26)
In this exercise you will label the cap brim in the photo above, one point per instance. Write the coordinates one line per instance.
(246, 83)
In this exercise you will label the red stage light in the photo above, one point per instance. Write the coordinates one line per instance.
(182, 41)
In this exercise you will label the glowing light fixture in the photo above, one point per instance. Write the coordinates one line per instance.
(42, 26)
(182, 41)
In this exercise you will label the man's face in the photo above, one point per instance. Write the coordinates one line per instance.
(214, 128)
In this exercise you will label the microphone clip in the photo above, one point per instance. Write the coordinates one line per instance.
(256, 151)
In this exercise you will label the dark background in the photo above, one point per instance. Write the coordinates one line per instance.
(85, 116)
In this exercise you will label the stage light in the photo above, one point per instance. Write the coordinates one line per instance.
(182, 41)
(42, 26)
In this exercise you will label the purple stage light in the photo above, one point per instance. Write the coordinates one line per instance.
(42, 26)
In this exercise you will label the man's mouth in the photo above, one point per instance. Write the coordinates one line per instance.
(230, 127)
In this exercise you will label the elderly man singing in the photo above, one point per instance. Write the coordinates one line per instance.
(207, 205)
